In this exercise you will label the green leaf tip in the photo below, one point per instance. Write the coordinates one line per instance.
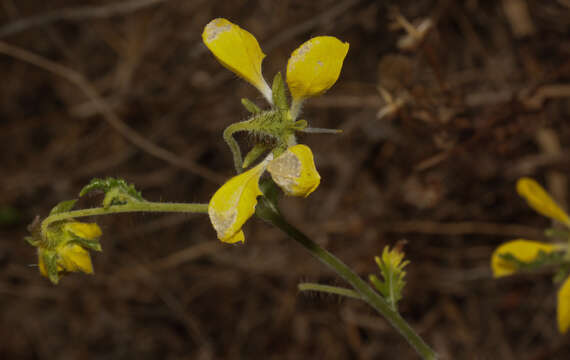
(250, 106)
(391, 265)
(279, 93)
(117, 191)
(63, 206)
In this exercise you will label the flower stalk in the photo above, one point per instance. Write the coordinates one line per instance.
(146, 206)
(360, 286)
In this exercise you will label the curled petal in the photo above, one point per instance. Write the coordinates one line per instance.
(523, 250)
(538, 199)
(315, 66)
(295, 172)
(234, 203)
(237, 50)
(563, 311)
(88, 231)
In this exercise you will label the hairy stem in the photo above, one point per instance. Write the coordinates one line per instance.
(329, 289)
(143, 206)
(362, 288)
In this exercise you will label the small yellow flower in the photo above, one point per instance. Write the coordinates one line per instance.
(68, 250)
(523, 250)
(295, 172)
(234, 203)
(538, 199)
(315, 66)
(563, 311)
(237, 50)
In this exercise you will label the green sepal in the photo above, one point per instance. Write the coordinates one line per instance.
(117, 191)
(542, 259)
(63, 206)
(92, 244)
(250, 106)
(30, 240)
(279, 94)
(254, 154)
(300, 125)
(50, 262)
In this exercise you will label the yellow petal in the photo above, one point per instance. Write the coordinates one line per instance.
(234, 203)
(237, 50)
(523, 250)
(295, 172)
(315, 66)
(563, 311)
(73, 257)
(538, 199)
(88, 231)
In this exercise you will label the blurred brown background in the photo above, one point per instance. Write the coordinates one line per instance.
(439, 121)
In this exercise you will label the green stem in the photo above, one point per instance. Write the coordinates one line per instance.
(366, 292)
(143, 206)
(233, 144)
(329, 289)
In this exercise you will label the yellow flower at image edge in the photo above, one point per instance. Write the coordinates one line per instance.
(234, 203)
(563, 311)
(538, 199)
(523, 250)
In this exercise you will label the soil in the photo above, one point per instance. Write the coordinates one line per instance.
(439, 121)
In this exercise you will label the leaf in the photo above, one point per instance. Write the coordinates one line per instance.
(117, 191)
(279, 96)
(392, 284)
(63, 206)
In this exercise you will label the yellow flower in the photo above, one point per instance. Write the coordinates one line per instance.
(295, 172)
(238, 51)
(70, 258)
(523, 250)
(311, 70)
(234, 203)
(315, 66)
(563, 311)
(538, 199)
(69, 250)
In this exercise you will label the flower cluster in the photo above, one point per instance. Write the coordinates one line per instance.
(64, 247)
(312, 69)
(523, 254)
